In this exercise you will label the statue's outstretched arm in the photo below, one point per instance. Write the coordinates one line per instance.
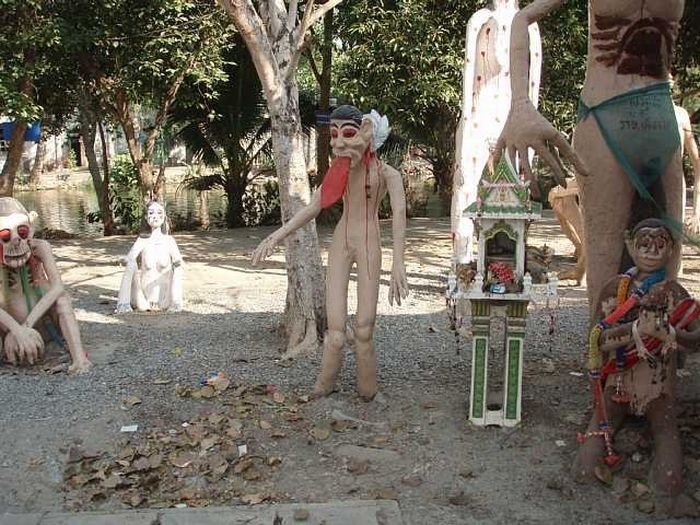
(42, 251)
(398, 285)
(306, 214)
(124, 298)
(178, 270)
(526, 127)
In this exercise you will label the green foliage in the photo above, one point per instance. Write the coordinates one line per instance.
(37, 81)
(261, 205)
(564, 47)
(71, 161)
(405, 59)
(227, 127)
(125, 197)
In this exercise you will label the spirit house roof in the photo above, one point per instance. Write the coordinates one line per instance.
(502, 195)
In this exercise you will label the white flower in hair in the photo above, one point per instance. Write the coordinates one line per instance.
(381, 128)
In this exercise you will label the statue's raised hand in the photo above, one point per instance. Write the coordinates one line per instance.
(23, 346)
(265, 249)
(398, 286)
(527, 128)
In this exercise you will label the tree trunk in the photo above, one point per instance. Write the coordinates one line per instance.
(234, 202)
(305, 315)
(323, 135)
(105, 202)
(14, 159)
(141, 162)
(89, 125)
(38, 166)
(203, 209)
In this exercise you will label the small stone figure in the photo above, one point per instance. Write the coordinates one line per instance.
(362, 180)
(641, 319)
(34, 306)
(155, 284)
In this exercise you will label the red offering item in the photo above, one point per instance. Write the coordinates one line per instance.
(335, 181)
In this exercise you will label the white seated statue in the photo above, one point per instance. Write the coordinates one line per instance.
(153, 276)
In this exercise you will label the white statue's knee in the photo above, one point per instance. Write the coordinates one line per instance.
(364, 332)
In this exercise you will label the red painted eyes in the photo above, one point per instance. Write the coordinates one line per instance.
(22, 231)
(348, 133)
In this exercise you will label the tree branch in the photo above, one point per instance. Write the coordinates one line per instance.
(252, 30)
(292, 14)
(311, 16)
(313, 65)
(317, 14)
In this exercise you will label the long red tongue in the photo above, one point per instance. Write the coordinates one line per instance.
(335, 181)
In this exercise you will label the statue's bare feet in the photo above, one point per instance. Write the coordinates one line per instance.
(322, 389)
(80, 367)
(123, 308)
(588, 465)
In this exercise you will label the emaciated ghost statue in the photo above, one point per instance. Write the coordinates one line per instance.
(485, 105)
(640, 320)
(362, 180)
(34, 305)
(157, 283)
(626, 139)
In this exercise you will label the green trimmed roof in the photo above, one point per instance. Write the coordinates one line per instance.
(501, 193)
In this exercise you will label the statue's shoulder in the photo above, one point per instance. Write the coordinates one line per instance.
(390, 172)
(40, 247)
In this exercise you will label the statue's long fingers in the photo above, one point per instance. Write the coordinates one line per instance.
(554, 163)
(511, 154)
(527, 170)
(391, 294)
(562, 144)
(498, 150)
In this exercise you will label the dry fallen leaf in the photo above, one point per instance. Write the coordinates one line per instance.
(183, 459)
(265, 425)
(358, 466)
(253, 499)
(321, 432)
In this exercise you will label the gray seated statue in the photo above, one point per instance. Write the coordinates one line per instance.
(153, 277)
(34, 305)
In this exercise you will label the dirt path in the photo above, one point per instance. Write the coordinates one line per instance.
(412, 444)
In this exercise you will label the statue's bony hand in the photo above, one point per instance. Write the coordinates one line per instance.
(527, 128)
(264, 249)
(24, 346)
(398, 285)
(80, 366)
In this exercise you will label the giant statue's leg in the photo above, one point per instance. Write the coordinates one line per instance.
(674, 188)
(71, 333)
(607, 197)
(337, 277)
(367, 296)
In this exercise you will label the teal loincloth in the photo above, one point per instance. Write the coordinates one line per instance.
(641, 130)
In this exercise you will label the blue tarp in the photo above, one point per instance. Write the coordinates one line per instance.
(33, 133)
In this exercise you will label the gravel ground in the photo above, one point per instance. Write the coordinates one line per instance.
(417, 448)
